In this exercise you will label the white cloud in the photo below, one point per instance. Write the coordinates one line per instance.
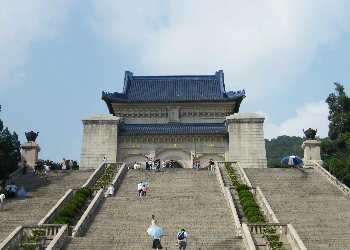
(258, 44)
(314, 115)
(21, 24)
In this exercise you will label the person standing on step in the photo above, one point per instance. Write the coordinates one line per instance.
(193, 162)
(154, 221)
(13, 190)
(147, 164)
(2, 201)
(198, 163)
(143, 190)
(139, 188)
(156, 243)
(182, 239)
(212, 165)
(8, 190)
(110, 191)
(64, 168)
(71, 164)
(104, 162)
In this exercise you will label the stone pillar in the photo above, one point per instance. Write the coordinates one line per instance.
(100, 139)
(246, 140)
(30, 152)
(312, 152)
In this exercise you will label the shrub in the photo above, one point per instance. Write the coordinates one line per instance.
(63, 220)
(27, 246)
(66, 212)
(269, 230)
(250, 209)
(241, 187)
(251, 200)
(87, 192)
(38, 232)
(254, 213)
(274, 244)
(244, 199)
(76, 203)
(256, 219)
(79, 195)
(71, 207)
(244, 193)
(272, 237)
(249, 204)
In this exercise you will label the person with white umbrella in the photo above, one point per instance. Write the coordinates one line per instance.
(155, 232)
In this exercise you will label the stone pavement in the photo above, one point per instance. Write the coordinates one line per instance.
(179, 198)
(318, 210)
(41, 195)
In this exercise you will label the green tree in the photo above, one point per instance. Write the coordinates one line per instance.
(338, 143)
(10, 152)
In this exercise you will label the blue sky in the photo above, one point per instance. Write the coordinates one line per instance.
(56, 58)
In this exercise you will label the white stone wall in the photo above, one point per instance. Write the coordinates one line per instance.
(100, 139)
(246, 139)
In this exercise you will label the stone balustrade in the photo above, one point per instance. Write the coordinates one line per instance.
(95, 176)
(85, 219)
(52, 215)
(14, 174)
(284, 229)
(20, 233)
(245, 178)
(332, 179)
(247, 238)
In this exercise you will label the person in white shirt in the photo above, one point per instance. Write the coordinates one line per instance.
(13, 190)
(2, 200)
(139, 188)
(164, 164)
(104, 162)
(110, 191)
(136, 166)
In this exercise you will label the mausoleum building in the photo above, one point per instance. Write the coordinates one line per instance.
(173, 118)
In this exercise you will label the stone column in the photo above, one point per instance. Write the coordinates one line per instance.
(100, 139)
(30, 152)
(246, 140)
(312, 152)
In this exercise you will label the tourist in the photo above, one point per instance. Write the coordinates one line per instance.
(147, 164)
(36, 168)
(104, 162)
(182, 239)
(212, 165)
(143, 190)
(193, 161)
(8, 190)
(136, 166)
(64, 169)
(154, 221)
(110, 191)
(150, 164)
(71, 164)
(21, 193)
(164, 164)
(156, 243)
(24, 167)
(13, 190)
(2, 201)
(198, 163)
(139, 188)
(47, 170)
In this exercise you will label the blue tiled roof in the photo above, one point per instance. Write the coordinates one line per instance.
(203, 88)
(173, 129)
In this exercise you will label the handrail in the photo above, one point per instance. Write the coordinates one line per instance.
(265, 205)
(53, 213)
(95, 176)
(247, 237)
(59, 240)
(13, 239)
(332, 179)
(244, 175)
(294, 238)
(227, 193)
(78, 229)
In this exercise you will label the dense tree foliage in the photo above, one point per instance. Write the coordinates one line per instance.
(338, 144)
(10, 152)
(282, 146)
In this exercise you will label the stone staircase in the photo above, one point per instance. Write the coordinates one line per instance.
(179, 198)
(41, 195)
(318, 211)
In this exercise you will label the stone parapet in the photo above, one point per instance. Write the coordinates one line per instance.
(312, 153)
(100, 139)
(30, 152)
(246, 140)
